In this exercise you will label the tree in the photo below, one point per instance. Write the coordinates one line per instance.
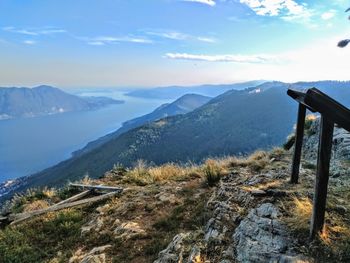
(344, 42)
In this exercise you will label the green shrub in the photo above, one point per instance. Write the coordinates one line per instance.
(40, 239)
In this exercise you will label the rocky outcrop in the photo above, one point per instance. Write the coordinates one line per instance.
(262, 237)
(174, 251)
(340, 148)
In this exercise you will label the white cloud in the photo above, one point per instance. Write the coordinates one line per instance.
(328, 15)
(287, 9)
(103, 40)
(34, 31)
(223, 58)
(206, 2)
(174, 35)
(29, 42)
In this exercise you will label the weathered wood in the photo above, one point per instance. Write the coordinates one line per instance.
(328, 107)
(74, 197)
(97, 187)
(299, 96)
(317, 101)
(299, 135)
(322, 176)
(17, 218)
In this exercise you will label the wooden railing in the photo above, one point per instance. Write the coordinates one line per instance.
(332, 113)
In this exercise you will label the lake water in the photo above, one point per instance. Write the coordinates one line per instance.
(30, 145)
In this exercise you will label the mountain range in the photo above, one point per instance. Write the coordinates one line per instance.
(237, 122)
(45, 100)
(173, 92)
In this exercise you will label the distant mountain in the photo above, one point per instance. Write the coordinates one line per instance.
(234, 123)
(184, 104)
(173, 92)
(44, 100)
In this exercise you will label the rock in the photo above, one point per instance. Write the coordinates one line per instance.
(96, 224)
(340, 209)
(195, 256)
(96, 255)
(94, 259)
(173, 253)
(169, 198)
(128, 230)
(261, 237)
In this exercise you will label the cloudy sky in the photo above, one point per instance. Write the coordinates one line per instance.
(142, 43)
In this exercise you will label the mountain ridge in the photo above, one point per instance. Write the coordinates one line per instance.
(45, 100)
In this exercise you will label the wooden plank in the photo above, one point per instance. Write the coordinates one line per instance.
(299, 96)
(299, 135)
(322, 176)
(97, 187)
(17, 218)
(328, 107)
(317, 101)
(74, 197)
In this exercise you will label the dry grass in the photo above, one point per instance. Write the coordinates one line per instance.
(300, 214)
(213, 171)
(143, 174)
(256, 161)
(36, 205)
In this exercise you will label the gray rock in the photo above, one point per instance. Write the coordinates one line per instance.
(261, 237)
(195, 255)
(173, 253)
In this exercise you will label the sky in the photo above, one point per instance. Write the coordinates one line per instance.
(147, 43)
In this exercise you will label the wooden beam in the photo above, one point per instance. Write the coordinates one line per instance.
(328, 107)
(322, 176)
(74, 197)
(299, 96)
(17, 218)
(299, 135)
(97, 187)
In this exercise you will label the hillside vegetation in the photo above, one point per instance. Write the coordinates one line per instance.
(237, 122)
(194, 209)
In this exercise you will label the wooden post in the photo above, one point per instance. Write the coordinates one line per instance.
(299, 135)
(322, 176)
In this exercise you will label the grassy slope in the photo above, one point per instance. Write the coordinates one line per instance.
(56, 237)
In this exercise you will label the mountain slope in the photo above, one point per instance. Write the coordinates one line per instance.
(233, 123)
(44, 100)
(173, 92)
(183, 105)
(237, 122)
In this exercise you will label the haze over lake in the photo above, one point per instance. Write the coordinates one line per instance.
(32, 144)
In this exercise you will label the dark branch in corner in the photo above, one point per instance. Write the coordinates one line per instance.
(345, 42)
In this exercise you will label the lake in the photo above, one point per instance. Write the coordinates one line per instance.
(33, 144)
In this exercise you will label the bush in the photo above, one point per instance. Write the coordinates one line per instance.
(40, 239)
(212, 172)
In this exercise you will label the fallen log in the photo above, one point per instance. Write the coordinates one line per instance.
(17, 218)
(74, 198)
(97, 187)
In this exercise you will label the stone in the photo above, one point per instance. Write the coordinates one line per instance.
(129, 230)
(96, 255)
(169, 198)
(261, 237)
(173, 252)
(94, 259)
(195, 255)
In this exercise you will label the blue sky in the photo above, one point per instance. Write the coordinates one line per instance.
(164, 42)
